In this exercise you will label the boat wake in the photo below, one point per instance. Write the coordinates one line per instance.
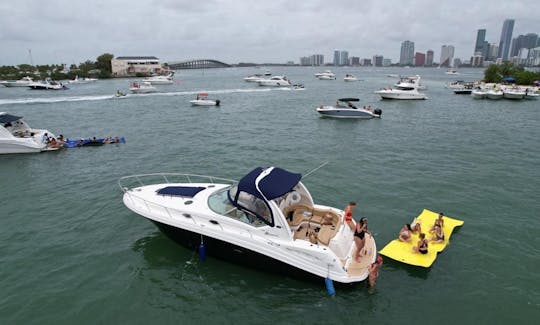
(50, 100)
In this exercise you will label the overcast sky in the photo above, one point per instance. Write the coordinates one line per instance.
(261, 31)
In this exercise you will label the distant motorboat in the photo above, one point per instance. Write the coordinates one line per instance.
(16, 136)
(82, 80)
(202, 100)
(298, 87)
(326, 75)
(465, 89)
(530, 94)
(513, 93)
(410, 82)
(142, 87)
(47, 84)
(254, 78)
(23, 82)
(407, 88)
(478, 93)
(349, 78)
(160, 80)
(275, 81)
(452, 71)
(345, 108)
(494, 93)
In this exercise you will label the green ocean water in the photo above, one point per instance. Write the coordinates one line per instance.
(71, 253)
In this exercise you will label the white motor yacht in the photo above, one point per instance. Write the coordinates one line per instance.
(16, 136)
(531, 94)
(23, 82)
(403, 90)
(275, 81)
(83, 80)
(513, 93)
(254, 78)
(326, 75)
(142, 87)
(465, 89)
(47, 84)
(345, 108)
(494, 93)
(478, 93)
(410, 82)
(452, 71)
(268, 220)
(202, 100)
(160, 80)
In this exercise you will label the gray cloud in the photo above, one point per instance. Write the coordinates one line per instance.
(64, 31)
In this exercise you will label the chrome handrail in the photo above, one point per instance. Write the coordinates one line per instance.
(166, 177)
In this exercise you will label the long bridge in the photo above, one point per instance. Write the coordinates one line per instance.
(198, 64)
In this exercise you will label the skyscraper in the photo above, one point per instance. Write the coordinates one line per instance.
(429, 58)
(344, 58)
(480, 39)
(506, 38)
(337, 57)
(447, 55)
(406, 56)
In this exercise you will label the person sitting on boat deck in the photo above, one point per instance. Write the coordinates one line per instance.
(360, 237)
(348, 215)
(438, 235)
(54, 144)
(438, 222)
(422, 245)
(405, 233)
(374, 271)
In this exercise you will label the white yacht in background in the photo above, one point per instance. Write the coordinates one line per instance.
(160, 80)
(513, 93)
(268, 219)
(326, 75)
(410, 82)
(452, 71)
(478, 93)
(47, 84)
(531, 94)
(275, 81)
(349, 78)
(494, 93)
(345, 108)
(202, 100)
(16, 136)
(23, 82)
(83, 80)
(254, 78)
(403, 90)
(142, 87)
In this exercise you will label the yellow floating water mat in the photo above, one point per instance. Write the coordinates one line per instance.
(403, 251)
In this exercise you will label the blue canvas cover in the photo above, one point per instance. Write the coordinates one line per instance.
(184, 191)
(7, 118)
(277, 183)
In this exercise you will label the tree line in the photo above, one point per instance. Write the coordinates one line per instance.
(101, 68)
(496, 73)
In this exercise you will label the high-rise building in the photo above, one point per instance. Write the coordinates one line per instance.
(506, 38)
(406, 56)
(344, 58)
(355, 61)
(528, 41)
(429, 58)
(419, 59)
(447, 55)
(480, 39)
(386, 62)
(317, 59)
(378, 60)
(337, 57)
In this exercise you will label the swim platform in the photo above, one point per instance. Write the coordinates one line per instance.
(403, 251)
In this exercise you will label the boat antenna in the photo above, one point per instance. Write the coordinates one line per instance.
(315, 169)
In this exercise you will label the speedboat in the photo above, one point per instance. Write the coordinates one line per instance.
(350, 77)
(267, 219)
(254, 78)
(452, 71)
(83, 80)
(465, 89)
(142, 87)
(160, 80)
(531, 94)
(23, 82)
(346, 109)
(202, 100)
(16, 136)
(478, 93)
(494, 93)
(513, 93)
(47, 84)
(275, 81)
(298, 87)
(455, 84)
(326, 75)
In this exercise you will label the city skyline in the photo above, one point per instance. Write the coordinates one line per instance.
(238, 31)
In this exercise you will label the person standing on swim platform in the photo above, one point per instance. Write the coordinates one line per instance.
(348, 215)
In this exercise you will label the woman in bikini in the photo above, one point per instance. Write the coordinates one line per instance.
(360, 237)
(422, 246)
(405, 233)
(348, 216)
(438, 235)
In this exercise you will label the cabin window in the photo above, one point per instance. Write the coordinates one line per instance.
(219, 203)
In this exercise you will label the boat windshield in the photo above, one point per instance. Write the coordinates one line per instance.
(219, 203)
